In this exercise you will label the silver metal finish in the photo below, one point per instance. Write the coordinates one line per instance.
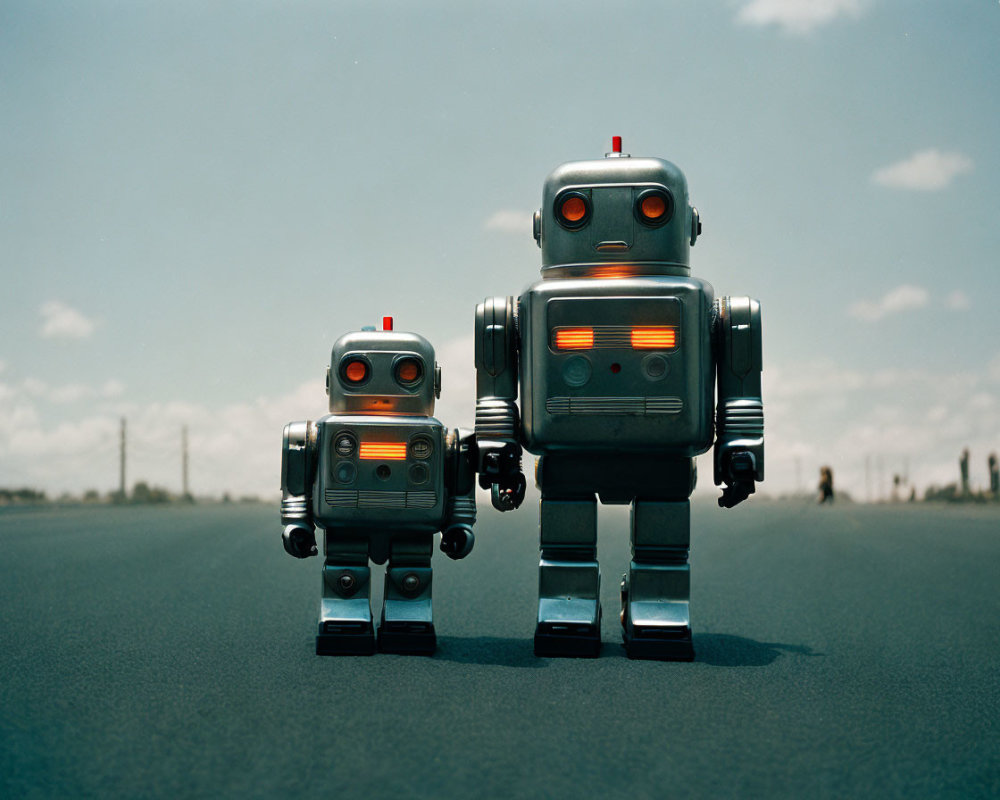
(381, 476)
(615, 354)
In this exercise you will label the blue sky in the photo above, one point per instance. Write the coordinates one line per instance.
(196, 199)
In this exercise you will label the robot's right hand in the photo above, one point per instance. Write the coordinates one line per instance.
(299, 541)
(508, 493)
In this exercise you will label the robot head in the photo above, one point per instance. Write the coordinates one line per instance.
(383, 372)
(615, 217)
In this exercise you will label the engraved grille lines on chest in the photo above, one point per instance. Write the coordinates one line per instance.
(640, 406)
(349, 498)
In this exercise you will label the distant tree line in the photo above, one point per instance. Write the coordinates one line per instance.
(142, 494)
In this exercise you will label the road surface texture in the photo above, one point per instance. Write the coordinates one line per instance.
(168, 652)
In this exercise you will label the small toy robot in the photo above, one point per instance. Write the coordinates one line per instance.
(381, 476)
(616, 351)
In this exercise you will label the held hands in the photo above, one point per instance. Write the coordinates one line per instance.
(500, 471)
(299, 541)
(739, 468)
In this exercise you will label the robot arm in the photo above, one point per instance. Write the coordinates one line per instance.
(739, 444)
(298, 468)
(460, 479)
(498, 460)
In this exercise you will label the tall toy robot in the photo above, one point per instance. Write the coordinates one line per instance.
(616, 351)
(381, 476)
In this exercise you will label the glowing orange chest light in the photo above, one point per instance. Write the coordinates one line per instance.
(383, 451)
(613, 336)
(653, 338)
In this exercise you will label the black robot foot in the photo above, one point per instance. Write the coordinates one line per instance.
(660, 644)
(345, 639)
(407, 638)
(561, 640)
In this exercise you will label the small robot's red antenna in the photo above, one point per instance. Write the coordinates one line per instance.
(387, 323)
(616, 144)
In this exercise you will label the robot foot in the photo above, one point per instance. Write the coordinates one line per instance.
(345, 639)
(407, 638)
(660, 643)
(568, 639)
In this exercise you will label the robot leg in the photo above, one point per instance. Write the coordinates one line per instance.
(569, 579)
(345, 615)
(656, 591)
(407, 624)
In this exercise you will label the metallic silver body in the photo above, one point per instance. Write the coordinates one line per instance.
(616, 353)
(380, 476)
(655, 399)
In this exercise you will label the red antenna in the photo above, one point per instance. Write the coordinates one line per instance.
(387, 323)
(616, 144)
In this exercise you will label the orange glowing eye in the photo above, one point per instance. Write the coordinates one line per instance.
(653, 206)
(408, 371)
(574, 338)
(653, 338)
(383, 451)
(355, 371)
(574, 209)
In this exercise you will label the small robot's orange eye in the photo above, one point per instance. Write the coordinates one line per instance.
(355, 371)
(574, 209)
(408, 371)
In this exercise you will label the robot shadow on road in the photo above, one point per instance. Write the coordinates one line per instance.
(726, 650)
(714, 649)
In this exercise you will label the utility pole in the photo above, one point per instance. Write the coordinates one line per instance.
(121, 466)
(184, 462)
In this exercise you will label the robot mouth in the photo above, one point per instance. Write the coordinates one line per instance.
(615, 247)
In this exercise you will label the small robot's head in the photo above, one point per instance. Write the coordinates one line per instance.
(614, 217)
(383, 372)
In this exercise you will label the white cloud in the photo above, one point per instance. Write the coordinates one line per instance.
(508, 221)
(3, 365)
(112, 388)
(902, 298)
(797, 16)
(958, 301)
(925, 171)
(60, 321)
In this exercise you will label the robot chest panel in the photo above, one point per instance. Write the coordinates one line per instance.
(618, 372)
(375, 471)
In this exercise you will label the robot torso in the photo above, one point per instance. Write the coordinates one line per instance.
(380, 472)
(613, 364)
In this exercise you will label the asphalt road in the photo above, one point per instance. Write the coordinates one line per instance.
(168, 652)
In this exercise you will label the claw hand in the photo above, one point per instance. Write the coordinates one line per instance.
(508, 494)
(457, 541)
(739, 476)
(299, 541)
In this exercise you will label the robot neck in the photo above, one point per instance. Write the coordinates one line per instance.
(605, 269)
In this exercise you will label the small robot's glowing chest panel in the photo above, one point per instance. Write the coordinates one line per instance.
(374, 471)
(618, 372)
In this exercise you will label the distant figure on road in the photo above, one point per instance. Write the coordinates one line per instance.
(963, 465)
(994, 476)
(825, 485)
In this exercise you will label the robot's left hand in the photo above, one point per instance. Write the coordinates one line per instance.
(457, 541)
(739, 470)
(508, 494)
(299, 541)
